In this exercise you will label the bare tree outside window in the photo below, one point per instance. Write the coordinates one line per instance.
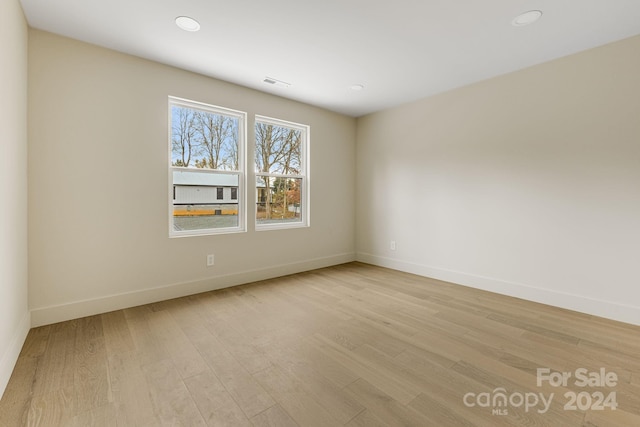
(184, 142)
(217, 135)
(203, 139)
(280, 171)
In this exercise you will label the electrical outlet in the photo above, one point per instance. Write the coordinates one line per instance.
(210, 260)
(392, 245)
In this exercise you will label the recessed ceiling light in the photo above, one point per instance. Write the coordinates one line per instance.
(357, 87)
(187, 24)
(526, 18)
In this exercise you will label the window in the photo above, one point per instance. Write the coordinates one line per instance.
(234, 193)
(282, 184)
(206, 158)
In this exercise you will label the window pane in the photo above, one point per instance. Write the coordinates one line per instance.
(278, 200)
(278, 149)
(201, 200)
(203, 139)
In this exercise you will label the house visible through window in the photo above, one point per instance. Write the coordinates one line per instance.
(207, 157)
(282, 191)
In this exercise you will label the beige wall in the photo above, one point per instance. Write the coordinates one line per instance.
(526, 184)
(98, 191)
(14, 314)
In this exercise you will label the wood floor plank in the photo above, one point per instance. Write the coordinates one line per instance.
(610, 356)
(128, 387)
(15, 411)
(122, 364)
(248, 394)
(377, 319)
(439, 414)
(440, 400)
(611, 419)
(273, 417)
(90, 368)
(352, 334)
(342, 406)
(192, 317)
(103, 416)
(171, 400)
(117, 334)
(133, 404)
(526, 349)
(147, 347)
(480, 323)
(56, 367)
(366, 419)
(403, 393)
(293, 397)
(36, 342)
(385, 407)
(56, 408)
(241, 346)
(600, 330)
(534, 326)
(353, 345)
(307, 298)
(175, 343)
(585, 354)
(214, 402)
(331, 369)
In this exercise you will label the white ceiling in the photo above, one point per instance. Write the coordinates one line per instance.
(400, 50)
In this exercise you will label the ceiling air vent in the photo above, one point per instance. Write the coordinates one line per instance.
(276, 82)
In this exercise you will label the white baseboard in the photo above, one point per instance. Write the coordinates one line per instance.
(11, 353)
(607, 309)
(74, 310)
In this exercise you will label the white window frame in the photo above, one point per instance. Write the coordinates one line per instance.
(305, 187)
(240, 173)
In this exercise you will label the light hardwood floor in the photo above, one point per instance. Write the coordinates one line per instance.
(352, 345)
